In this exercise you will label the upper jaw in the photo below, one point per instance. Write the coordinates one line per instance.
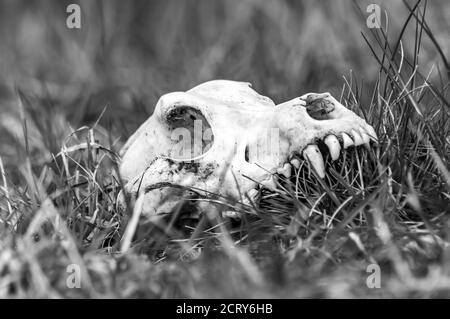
(334, 146)
(331, 145)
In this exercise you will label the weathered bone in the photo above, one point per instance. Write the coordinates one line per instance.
(236, 140)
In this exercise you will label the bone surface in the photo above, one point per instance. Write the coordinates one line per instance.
(223, 139)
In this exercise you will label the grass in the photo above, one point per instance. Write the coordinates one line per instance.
(388, 205)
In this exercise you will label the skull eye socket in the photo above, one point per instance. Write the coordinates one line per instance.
(190, 131)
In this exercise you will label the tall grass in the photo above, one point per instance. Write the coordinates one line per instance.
(311, 238)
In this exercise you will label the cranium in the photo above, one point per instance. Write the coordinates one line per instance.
(234, 141)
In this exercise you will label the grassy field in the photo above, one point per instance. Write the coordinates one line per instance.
(70, 98)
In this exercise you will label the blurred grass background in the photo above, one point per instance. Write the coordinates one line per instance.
(129, 53)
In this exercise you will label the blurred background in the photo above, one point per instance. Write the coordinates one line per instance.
(128, 53)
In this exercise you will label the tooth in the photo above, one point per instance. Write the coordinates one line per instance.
(312, 153)
(286, 171)
(347, 141)
(365, 136)
(270, 183)
(357, 138)
(295, 162)
(333, 145)
(252, 196)
(372, 134)
(253, 193)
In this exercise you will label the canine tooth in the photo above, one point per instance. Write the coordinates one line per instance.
(347, 141)
(357, 138)
(269, 183)
(312, 153)
(286, 170)
(333, 145)
(295, 162)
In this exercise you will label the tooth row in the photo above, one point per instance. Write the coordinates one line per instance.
(313, 155)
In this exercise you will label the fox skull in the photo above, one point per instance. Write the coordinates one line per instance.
(223, 139)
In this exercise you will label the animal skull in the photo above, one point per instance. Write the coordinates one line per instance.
(234, 141)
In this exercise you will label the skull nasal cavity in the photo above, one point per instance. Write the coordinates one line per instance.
(190, 132)
(320, 109)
